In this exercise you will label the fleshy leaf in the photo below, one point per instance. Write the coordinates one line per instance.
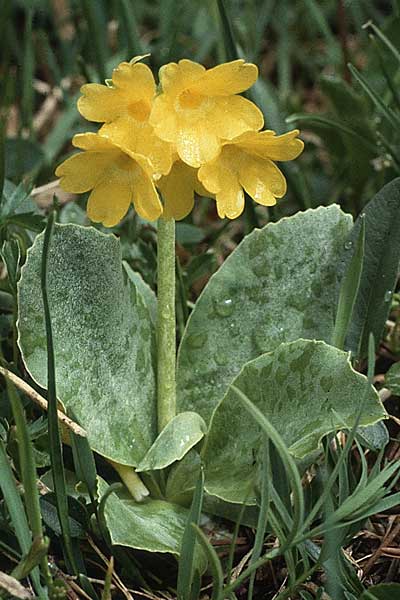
(102, 340)
(147, 293)
(306, 389)
(392, 379)
(180, 435)
(152, 525)
(281, 283)
(380, 267)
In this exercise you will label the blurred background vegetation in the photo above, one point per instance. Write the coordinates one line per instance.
(330, 68)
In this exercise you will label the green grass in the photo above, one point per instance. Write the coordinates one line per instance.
(338, 81)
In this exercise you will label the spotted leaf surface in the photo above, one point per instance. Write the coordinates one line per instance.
(281, 283)
(306, 389)
(102, 339)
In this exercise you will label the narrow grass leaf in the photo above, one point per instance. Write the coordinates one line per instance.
(28, 473)
(95, 20)
(286, 457)
(231, 52)
(186, 561)
(331, 124)
(387, 112)
(17, 513)
(129, 24)
(349, 288)
(265, 480)
(57, 464)
(214, 562)
(380, 268)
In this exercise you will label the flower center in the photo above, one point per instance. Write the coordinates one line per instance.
(189, 99)
(139, 110)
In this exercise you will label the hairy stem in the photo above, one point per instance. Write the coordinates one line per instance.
(166, 340)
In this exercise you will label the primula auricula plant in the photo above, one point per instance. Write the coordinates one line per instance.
(268, 331)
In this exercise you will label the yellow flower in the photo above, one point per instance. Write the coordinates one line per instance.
(125, 106)
(116, 176)
(246, 163)
(177, 190)
(198, 108)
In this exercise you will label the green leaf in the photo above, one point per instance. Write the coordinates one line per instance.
(382, 591)
(392, 379)
(373, 437)
(102, 340)
(21, 156)
(11, 255)
(145, 290)
(180, 435)
(186, 571)
(152, 525)
(16, 201)
(380, 268)
(349, 289)
(182, 478)
(281, 283)
(305, 389)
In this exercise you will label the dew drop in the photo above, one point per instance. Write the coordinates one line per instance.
(224, 308)
(220, 358)
(197, 340)
(348, 245)
(388, 296)
(261, 270)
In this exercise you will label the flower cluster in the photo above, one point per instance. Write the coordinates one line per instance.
(193, 134)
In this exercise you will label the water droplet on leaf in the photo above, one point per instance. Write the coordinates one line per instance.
(388, 296)
(224, 308)
(197, 340)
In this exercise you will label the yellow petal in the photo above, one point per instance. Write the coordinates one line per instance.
(177, 189)
(100, 103)
(92, 141)
(220, 178)
(267, 144)
(110, 200)
(136, 78)
(140, 138)
(197, 144)
(145, 198)
(227, 79)
(164, 119)
(232, 116)
(81, 172)
(176, 77)
(261, 179)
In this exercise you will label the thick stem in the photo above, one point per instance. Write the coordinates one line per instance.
(166, 336)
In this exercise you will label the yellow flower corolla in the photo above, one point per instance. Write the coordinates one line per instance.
(246, 164)
(177, 190)
(198, 108)
(193, 134)
(125, 107)
(116, 177)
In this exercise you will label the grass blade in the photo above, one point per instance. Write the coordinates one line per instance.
(349, 289)
(287, 459)
(17, 513)
(28, 474)
(57, 463)
(215, 564)
(263, 514)
(186, 562)
(388, 113)
(231, 52)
